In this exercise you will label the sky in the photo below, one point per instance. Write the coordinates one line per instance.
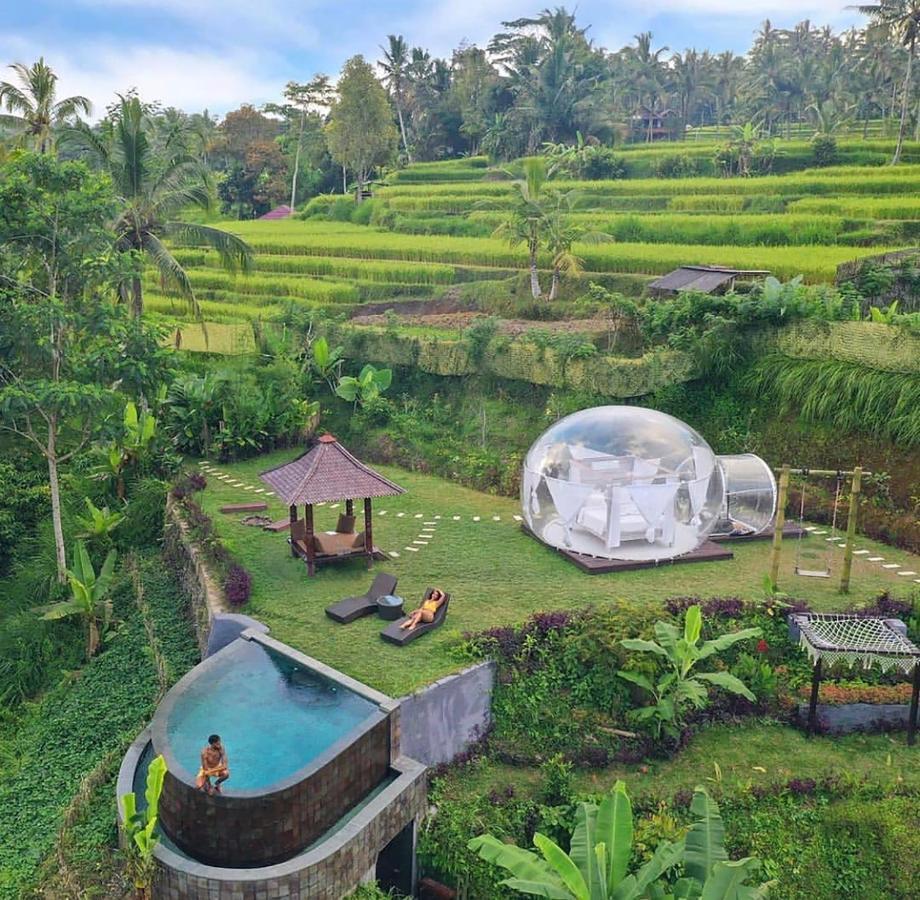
(217, 54)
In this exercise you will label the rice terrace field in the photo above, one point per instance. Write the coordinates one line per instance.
(431, 228)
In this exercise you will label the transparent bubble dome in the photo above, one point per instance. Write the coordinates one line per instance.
(622, 482)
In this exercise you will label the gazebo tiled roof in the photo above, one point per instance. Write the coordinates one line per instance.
(326, 473)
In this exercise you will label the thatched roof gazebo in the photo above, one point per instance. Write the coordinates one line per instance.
(328, 473)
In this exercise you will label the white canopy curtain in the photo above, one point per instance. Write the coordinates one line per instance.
(652, 501)
(568, 499)
(531, 484)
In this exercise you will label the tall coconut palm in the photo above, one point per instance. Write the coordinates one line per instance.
(32, 109)
(528, 219)
(395, 64)
(901, 19)
(151, 191)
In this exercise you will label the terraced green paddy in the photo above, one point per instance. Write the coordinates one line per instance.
(431, 229)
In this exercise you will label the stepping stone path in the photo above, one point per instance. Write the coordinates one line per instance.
(876, 559)
(518, 519)
(475, 518)
(394, 554)
(456, 518)
(496, 518)
(413, 549)
(892, 566)
(905, 574)
(860, 552)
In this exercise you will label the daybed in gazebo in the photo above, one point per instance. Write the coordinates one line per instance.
(850, 638)
(328, 473)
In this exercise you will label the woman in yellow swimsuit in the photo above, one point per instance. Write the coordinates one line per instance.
(425, 613)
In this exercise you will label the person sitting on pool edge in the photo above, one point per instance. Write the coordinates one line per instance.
(425, 613)
(213, 765)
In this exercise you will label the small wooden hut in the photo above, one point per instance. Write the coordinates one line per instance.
(328, 473)
(706, 279)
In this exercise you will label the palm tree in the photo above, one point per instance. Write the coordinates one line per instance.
(395, 64)
(150, 192)
(901, 19)
(527, 222)
(31, 106)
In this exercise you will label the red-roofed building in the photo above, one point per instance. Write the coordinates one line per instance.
(279, 212)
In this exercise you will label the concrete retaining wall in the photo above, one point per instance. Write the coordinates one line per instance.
(846, 718)
(206, 598)
(441, 720)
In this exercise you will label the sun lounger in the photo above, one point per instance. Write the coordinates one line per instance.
(395, 634)
(352, 608)
(279, 525)
(243, 507)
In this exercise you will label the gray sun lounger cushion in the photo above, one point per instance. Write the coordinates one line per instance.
(352, 608)
(395, 634)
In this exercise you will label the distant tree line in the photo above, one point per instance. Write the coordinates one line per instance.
(538, 84)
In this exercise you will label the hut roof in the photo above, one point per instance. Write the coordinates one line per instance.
(279, 212)
(700, 278)
(327, 472)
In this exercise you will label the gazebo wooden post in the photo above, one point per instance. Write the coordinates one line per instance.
(813, 702)
(311, 546)
(368, 532)
(912, 715)
(349, 507)
(293, 512)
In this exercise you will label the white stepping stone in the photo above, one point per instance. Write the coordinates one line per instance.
(249, 487)
(496, 518)
(399, 515)
(394, 554)
(475, 518)
(456, 518)
(833, 539)
(260, 490)
(809, 528)
(892, 566)
(421, 543)
(269, 493)
(820, 532)
(905, 574)
(418, 515)
(333, 506)
(413, 549)
(518, 518)
(428, 523)
(381, 512)
(860, 552)
(876, 559)
(437, 517)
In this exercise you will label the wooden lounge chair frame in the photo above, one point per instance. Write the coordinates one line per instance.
(352, 608)
(395, 634)
(243, 507)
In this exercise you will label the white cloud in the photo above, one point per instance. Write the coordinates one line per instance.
(187, 79)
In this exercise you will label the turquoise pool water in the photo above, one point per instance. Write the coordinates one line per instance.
(273, 717)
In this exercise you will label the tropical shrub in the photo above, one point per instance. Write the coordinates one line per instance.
(139, 828)
(824, 149)
(596, 866)
(89, 600)
(680, 688)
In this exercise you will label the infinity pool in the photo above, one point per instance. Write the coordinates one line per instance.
(273, 717)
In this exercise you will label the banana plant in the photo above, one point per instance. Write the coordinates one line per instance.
(98, 523)
(326, 361)
(884, 315)
(370, 384)
(88, 596)
(140, 828)
(595, 868)
(680, 687)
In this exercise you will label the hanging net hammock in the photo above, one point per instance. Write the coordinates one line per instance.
(853, 639)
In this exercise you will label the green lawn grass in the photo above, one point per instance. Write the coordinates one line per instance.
(496, 574)
(734, 756)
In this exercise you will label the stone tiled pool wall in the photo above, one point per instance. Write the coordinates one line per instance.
(271, 827)
(262, 827)
(327, 871)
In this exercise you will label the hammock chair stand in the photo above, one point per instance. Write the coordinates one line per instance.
(851, 638)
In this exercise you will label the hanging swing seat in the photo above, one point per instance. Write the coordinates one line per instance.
(824, 572)
(813, 573)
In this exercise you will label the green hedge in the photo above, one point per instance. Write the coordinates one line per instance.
(611, 376)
